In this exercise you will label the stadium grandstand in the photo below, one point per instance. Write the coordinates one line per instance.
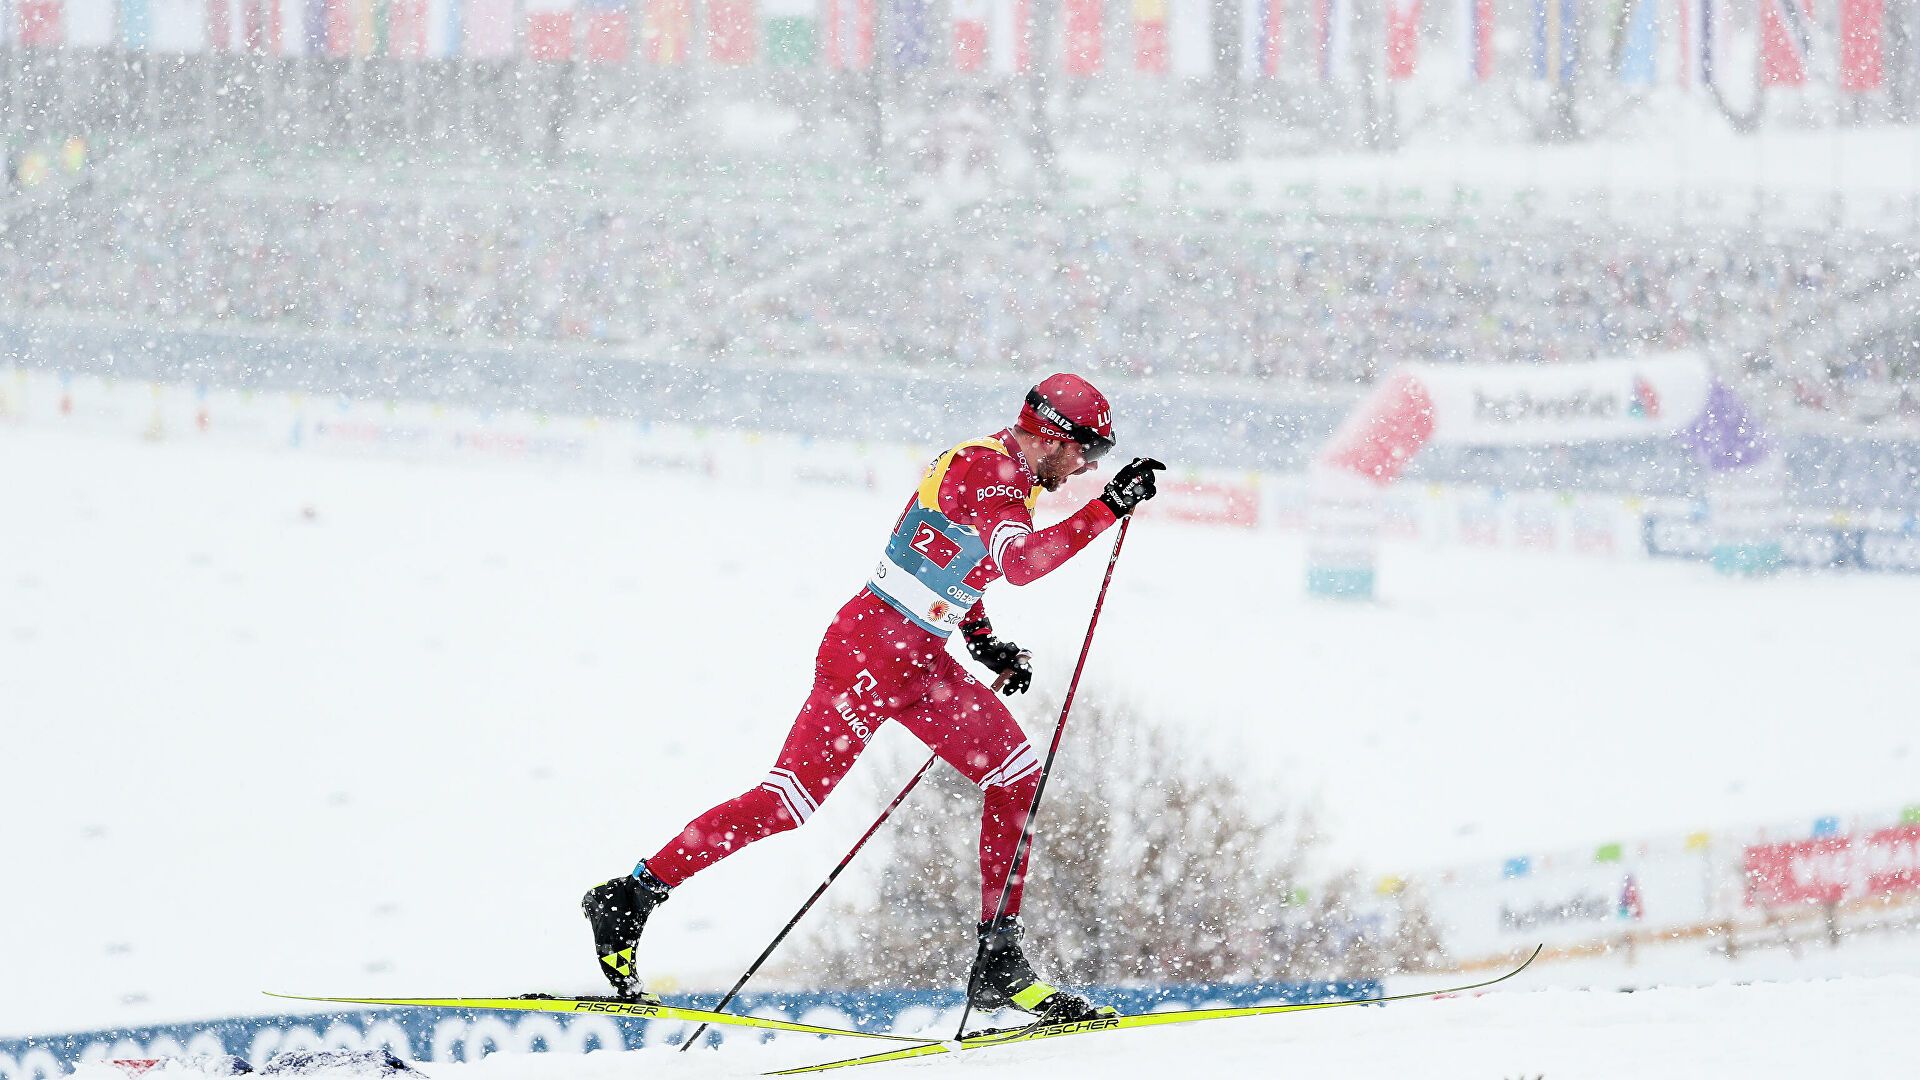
(772, 277)
(744, 184)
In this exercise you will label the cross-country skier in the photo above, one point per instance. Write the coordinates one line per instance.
(884, 658)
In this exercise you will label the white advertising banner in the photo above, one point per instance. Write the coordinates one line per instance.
(1744, 883)
(1513, 405)
(1571, 900)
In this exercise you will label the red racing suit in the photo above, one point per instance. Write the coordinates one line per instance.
(884, 658)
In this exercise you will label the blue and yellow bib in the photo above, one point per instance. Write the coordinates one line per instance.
(923, 572)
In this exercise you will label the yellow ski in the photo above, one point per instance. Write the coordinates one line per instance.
(1034, 1032)
(603, 1006)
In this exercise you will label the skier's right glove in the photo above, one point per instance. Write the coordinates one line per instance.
(1013, 664)
(1131, 486)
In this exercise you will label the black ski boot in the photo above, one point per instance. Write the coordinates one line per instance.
(617, 910)
(1002, 977)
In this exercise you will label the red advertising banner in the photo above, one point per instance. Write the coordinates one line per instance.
(1201, 502)
(1207, 502)
(1893, 860)
(1799, 872)
(1829, 869)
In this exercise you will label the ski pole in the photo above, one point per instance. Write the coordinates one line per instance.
(811, 900)
(1059, 729)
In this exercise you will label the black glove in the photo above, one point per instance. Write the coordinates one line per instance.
(1131, 486)
(1013, 664)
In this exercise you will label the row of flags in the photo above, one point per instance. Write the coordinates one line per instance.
(1787, 36)
(1641, 41)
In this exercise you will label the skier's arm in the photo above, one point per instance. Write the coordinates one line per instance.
(976, 624)
(1025, 554)
(1013, 664)
(988, 493)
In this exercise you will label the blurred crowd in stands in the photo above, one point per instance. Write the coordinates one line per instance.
(1102, 291)
(472, 271)
(1238, 300)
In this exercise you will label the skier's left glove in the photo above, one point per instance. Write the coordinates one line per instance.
(1131, 486)
(1013, 664)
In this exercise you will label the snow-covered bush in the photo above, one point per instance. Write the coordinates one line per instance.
(1153, 865)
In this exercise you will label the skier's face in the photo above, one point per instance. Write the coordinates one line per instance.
(1062, 460)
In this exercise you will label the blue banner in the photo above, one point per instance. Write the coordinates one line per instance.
(1885, 551)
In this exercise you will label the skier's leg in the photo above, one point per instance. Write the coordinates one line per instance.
(825, 740)
(965, 723)
(1003, 814)
(823, 744)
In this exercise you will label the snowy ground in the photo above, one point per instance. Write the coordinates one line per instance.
(1790, 1031)
(382, 747)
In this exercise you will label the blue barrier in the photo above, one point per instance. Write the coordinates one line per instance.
(460, 1035)
(1886, 551)
(1189, 425)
